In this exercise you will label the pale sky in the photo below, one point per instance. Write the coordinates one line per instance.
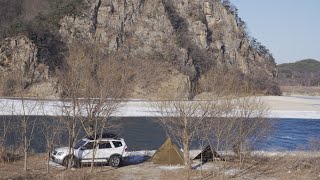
(289, 28)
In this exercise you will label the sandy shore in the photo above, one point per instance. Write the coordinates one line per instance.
(293, 103)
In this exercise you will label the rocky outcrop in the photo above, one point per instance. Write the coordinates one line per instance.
(18, 59)
(191, 35)
(18, 53)
(169, 43)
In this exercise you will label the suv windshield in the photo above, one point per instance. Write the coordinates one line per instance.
(79, 144)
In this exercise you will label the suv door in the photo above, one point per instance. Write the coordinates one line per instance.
(118, 147)
(105, 150)
(86, 152)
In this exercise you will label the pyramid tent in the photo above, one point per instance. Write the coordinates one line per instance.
(208, 154)
(168, 154)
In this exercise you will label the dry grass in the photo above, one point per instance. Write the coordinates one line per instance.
(256, 167)
(7, 157)
(300, 90)
(278, 167)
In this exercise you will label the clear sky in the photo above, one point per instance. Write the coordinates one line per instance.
(289, 28)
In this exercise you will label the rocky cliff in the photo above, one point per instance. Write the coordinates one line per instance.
(170, 44)
(21, 69)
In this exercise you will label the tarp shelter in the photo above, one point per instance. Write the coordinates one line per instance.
(168, 154)
(207, 154)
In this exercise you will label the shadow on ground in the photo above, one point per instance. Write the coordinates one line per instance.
(135, 159)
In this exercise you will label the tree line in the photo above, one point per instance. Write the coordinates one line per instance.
(301, 73)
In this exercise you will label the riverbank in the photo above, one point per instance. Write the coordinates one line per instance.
(288, 166)
(301, 90)
(295, 106)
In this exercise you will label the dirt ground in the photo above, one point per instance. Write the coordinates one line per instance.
(258, 167)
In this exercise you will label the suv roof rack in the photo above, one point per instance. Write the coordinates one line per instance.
(104, 136)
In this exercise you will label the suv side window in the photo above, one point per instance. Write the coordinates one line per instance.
(104, 145)
(89, 145)
(117, 143)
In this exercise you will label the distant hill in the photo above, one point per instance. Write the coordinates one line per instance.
(306, 65)
(305, 72)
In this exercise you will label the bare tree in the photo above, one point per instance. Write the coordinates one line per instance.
(51, 129)
(6, 126)
(237, 114)
(28, 125)
(183, 120)
(71, 118)
(251, 123)
(105, 86)
(95, 83)
(228, 118)
(70, 82)
(188, 121)
(24, 108)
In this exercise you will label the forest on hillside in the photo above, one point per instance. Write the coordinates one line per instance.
(301, 73)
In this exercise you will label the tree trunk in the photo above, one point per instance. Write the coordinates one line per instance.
(186, 155)
(72, 142)
(25, 129)
(93, 156)
(185, 143)
(25, 168)
(73, 135)
(25, 143)
(94, 143)
(48, 161)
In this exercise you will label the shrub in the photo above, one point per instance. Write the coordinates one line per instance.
(6, 156)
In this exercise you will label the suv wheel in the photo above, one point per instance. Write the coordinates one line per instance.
(114, 161)
(74, 163)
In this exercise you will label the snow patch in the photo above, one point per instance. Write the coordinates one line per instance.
(171, 167)
(53, 164)
(231, 172)
(142, 153)
(286, 153)
(206, 166)
(136, 157)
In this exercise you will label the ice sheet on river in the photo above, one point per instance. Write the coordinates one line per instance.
(140, 108)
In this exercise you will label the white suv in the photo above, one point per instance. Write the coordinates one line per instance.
(108, 150)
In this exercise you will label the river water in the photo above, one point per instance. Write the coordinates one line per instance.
(293, 134)
(145, 133)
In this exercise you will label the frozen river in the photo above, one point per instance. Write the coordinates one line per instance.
(298, 122)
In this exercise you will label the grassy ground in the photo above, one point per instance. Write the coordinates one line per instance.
(258, 167)
(300, 90)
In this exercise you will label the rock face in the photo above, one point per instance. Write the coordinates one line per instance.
(18, 53)
(18, 59)
(169, 43)
(191, 35)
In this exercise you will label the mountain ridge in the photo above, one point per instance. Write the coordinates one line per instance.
(311, 65)
(304, 72)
